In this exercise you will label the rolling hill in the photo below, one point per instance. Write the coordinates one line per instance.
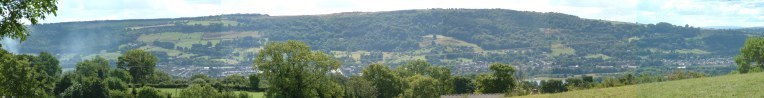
(735, 86)
(538, 43)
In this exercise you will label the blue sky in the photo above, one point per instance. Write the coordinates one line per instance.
(746, 13)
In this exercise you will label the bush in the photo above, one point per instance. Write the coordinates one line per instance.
(119, 94)
(199, 91)
(233, 95)
(115, 84)
(89, 87)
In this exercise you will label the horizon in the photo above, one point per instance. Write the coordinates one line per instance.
(713, 13)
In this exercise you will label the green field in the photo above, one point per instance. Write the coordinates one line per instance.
(448, 41)
(734, 86)
(691, 51)
(560, 49)
(601, 56)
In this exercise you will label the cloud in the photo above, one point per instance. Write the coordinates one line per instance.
(697, 13)
(703, 13)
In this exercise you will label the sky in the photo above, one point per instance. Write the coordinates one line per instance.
(702, 13)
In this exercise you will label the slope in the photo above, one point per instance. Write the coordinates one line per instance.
(467, 39)
(736, 86)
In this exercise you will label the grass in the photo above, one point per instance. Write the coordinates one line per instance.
(691, 51)
(230, 35)
(601, 56)
(187, 39)
(170, 52)
(180, 39)
(448, 41)
(559, 49)
(736, 86)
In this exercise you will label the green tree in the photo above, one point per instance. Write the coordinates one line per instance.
(579, 83)
(50, 71)
(422, 87)
(139, 63)
(18, 77)
(119, 94)
(485, 83)
(97, 67)
(751, 56)
(500, 81)
(15, 12)
(463, 85)
(413, 67)
(254, 81)
(65, 82)
(49, 64)
(293, 71)
(358, 87)
(199, 91)
(113, 83)
(443, 75)
(149, 92)
(421, 67)
(388, 84)
(121, 75)
(552, 86)
(159, 76)
(235, 80)
(90, 87)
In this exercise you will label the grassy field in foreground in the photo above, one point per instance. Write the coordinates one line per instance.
(735, 86)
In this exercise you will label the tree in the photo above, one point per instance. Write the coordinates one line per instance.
(90, 87)
(421, 67)
(14, 13)
(413, 67)
(463, 85)
(357, 87)
(751, 56)
(505, 75)
(500, 81)
(121, 75)
(199, 91)
(485, 83)
(579, 83)
(149, 92)
(96, 67)
(422, 87)
(17, 77)
(235, 80)
(443, 75)
(48, 63)
(113, 83)
(139, 63)
(552, 86)
(159, 76)
(65, 82)
(49, 70)
(388, 84)
(294, 71)
(254, 81)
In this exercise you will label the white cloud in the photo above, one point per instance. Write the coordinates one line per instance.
(697, 13)
(703, 13)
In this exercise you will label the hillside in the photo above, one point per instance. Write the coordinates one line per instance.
(735, 86)
(550, 44)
